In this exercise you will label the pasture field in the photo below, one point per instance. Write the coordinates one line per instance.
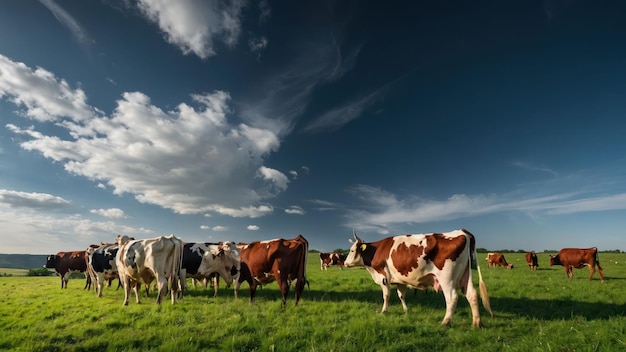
(534, 311)
(13, 272)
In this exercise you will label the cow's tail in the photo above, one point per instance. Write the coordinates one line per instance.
(597, 259)
(484, 296)
(177, 265)
(304, 263)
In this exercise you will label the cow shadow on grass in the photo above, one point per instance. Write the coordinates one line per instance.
(523, 307)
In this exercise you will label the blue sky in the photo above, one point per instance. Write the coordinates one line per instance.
(245, 120)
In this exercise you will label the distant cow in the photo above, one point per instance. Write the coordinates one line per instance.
(203, 260)
(334, 258)
(66, 263)
(101, 265)
(531, 259)
(578, 258)
(439, 260)
(141, 261)
(497, 259)
(281, 260)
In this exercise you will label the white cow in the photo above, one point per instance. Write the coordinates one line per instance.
(200, 260)
(141, 261)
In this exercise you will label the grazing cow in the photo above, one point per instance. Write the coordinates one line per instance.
(440, 260)
(141, 261)
(578, 258)
(531, 259)
(203, 260)
(497, 259)
(66, 263)
(282, 260)
(101, 265)
(334, 258)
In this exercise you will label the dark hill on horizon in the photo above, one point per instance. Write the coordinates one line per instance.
(22, 261)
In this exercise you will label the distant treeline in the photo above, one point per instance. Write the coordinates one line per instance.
(484, 250)
(22, 261)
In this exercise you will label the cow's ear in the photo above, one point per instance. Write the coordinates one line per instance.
(363, 246)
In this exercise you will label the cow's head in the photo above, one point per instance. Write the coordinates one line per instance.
(554, 260)
(120, 240)
(51, 261)
(354, 257)
(231, 261)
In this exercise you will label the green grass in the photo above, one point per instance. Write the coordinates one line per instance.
(534, 311)
(13, 272)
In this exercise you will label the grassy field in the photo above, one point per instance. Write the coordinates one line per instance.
(534, 311)
(13, 272)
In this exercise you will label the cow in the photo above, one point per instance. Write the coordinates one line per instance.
(531, 259)
(277, 260)
(328, 259)
(578, 258)
(439, 260)
(141, 261)
(202, 260)
(497, 259)
(66, 263)
(101, 265)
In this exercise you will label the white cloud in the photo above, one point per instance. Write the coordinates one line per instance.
(294, 209)
(192, 25)
(16, 199)
(294, 174)
(204, 227)
(41, 233)
(219, 228)
(41, 95)
(102, 186)
(257, 44)
(79, 33)
(113, 213)
(278, 178)
(253, 228)
(189, 159)
(391, 210)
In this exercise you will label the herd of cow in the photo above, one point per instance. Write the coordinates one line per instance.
(439, 260)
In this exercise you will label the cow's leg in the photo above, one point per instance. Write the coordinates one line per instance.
(401, 292)
(568, 271)
(472, 298)
(300, 288)
(216, 284)
(451, 296)
(136, 289)
(237, 285)
(161, 288)
(99, 284)
(283, 283)
(126, 284)
(253, 286)
(65, 278)
(592, 270)
(601, 273)
(385, 287)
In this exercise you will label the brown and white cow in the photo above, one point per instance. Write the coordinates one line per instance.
(578, 258)
(202, 260)
(66, 263)
(334, 258)
(439, 260)
(277, 260)
(531, 260)
(497, 259)
(141, 261)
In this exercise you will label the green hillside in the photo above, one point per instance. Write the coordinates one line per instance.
(22, 261)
